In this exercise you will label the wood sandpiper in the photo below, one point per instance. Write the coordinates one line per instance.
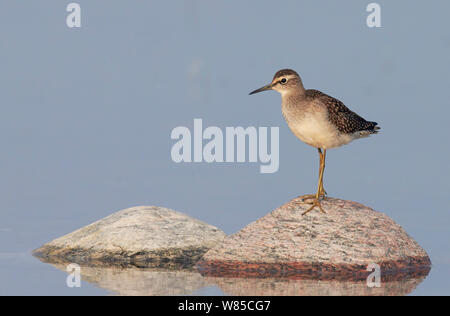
(317, 119)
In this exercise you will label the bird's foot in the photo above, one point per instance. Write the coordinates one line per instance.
(307, 197)
(312, 199)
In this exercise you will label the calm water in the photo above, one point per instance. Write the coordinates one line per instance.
(86, 117)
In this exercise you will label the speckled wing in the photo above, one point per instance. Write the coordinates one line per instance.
(345, 120)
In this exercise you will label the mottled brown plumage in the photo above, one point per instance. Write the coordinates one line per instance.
(345, 120)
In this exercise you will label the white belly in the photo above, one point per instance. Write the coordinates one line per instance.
(317, 131)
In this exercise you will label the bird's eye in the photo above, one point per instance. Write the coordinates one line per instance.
(283, 81)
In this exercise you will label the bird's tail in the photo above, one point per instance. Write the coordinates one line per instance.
(370, 129)
(374, 127)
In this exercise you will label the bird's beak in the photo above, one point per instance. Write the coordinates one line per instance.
(265, 88)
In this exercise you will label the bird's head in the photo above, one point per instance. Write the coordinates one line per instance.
(284, 81)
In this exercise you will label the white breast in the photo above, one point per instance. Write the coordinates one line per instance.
(316, 130)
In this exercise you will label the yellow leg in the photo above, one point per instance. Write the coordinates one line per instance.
(323, 193)
(320, 190)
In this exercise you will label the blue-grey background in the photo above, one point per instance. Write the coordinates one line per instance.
(86, 116)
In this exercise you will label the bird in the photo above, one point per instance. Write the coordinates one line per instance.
(318, 120)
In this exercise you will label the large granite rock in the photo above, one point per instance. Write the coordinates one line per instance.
(338, 245)
(146, 236)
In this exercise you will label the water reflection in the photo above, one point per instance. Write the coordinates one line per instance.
(280, 287)
(135, 281)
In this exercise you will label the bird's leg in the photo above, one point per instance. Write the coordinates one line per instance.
(320, 190)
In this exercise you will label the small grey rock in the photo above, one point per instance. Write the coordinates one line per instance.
(145, 237)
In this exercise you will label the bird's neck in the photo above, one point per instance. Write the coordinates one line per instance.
(293, 96)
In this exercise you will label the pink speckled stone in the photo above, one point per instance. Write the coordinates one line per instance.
(337, 245)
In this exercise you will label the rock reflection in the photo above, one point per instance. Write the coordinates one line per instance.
(142, 282)
(136, 281)
(288, 287)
